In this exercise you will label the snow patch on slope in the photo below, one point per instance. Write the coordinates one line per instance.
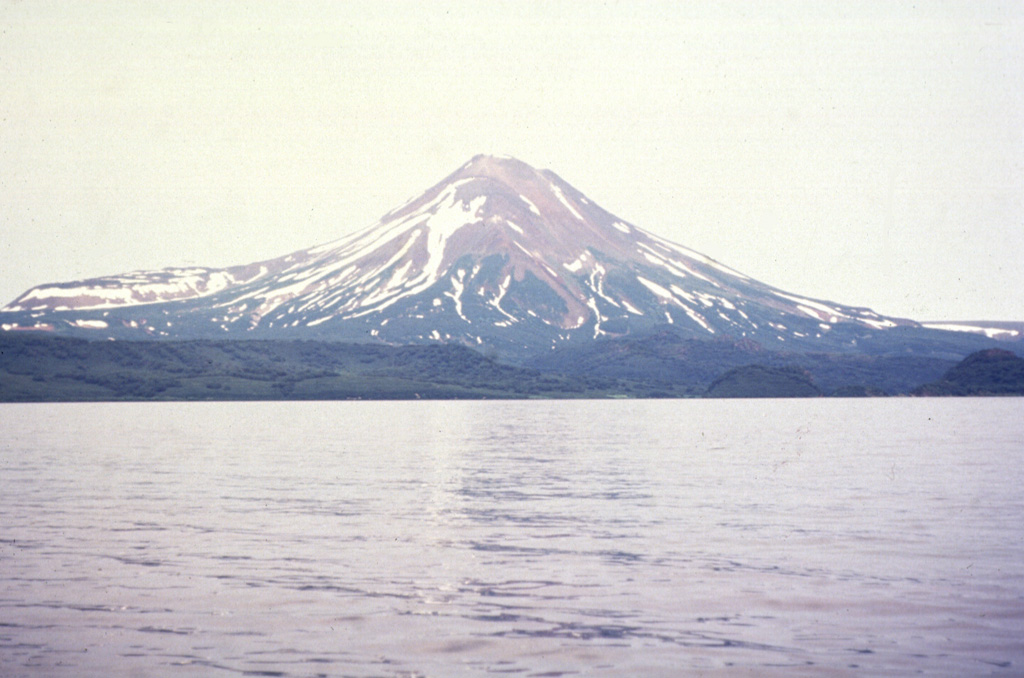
(990, 332)
(131, 289)
(561, 197)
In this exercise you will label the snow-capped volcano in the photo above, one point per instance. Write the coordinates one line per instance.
(497, 255)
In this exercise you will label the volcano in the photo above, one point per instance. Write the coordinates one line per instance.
(498, 256)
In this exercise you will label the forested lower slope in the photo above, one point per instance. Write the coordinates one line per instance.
(46, 368)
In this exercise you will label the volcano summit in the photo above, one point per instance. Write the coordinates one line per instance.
(497, 256)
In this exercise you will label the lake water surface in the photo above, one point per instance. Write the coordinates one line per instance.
(823, 537)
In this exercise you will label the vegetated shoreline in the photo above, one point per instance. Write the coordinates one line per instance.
(61, 369)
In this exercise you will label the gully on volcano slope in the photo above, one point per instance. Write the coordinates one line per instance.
(497, 255)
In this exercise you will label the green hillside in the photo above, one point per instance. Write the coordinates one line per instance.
(761, 381)
(990, 372)
(47, 368)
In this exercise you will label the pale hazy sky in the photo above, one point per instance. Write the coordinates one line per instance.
(866, 153)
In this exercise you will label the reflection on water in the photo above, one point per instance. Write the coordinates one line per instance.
(658, 538)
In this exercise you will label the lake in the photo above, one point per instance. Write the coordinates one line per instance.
(879, 537)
